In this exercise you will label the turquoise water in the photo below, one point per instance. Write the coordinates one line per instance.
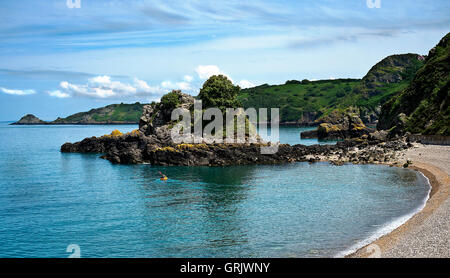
(49, 200)
(291, 135)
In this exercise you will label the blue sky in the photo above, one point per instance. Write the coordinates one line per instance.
(55, 60)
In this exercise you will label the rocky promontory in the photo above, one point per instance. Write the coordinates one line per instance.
(138, 148)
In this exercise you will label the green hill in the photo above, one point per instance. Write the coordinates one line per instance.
(424, 106)
(306, 102)
(111, 114)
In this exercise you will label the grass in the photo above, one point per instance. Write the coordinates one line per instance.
(295, 98)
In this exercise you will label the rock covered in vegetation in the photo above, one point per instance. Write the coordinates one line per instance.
(341, 126)
(392, 69)
(156, 117)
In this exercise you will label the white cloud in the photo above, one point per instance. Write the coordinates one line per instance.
(244, 84)
(188, 78)
(58, 94)
(176, 85)
(205, 72)
(17, 92)
(104, 87)
(100, 79)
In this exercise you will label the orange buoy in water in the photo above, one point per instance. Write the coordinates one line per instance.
(163, 178)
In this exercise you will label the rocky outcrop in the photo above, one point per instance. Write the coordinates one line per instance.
(156, 118)
(138, 148)
(30, 120)
(309, 134)
(347, 125)
(381, 135)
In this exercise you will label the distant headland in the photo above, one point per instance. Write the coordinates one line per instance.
(114, 114)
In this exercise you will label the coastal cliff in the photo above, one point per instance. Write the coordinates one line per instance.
(424, 106)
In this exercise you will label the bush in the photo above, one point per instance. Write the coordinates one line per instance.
(340, 93)
(218, 91)
(172, 99)
(116, 133)
(305, 81)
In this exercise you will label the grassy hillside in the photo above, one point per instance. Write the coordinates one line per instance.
(114, 113)
(306, 101)
(424, 106)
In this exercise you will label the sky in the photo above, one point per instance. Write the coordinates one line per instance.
(58, 58)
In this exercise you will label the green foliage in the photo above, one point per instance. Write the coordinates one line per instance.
(426, 100)
(384, 80)
(218, 91)
(292, 82)
(171, 100)
(295, 99)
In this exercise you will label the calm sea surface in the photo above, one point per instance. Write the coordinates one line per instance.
(49, 200)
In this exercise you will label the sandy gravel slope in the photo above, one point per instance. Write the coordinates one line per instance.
(427, 234)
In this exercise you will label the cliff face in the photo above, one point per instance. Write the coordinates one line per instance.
(30, 120)
(423, 107)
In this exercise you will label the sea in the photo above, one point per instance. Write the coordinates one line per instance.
(55, 204)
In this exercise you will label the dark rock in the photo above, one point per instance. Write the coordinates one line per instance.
(378, 135)
(309, 134)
